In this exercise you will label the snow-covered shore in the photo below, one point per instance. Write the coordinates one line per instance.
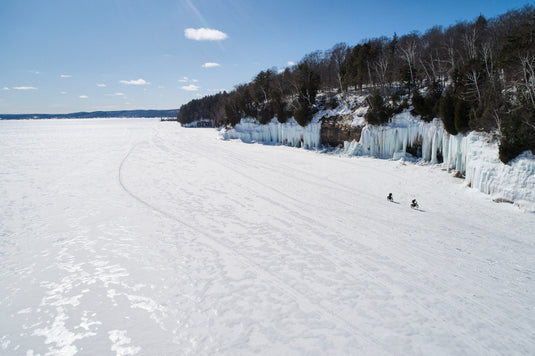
(139, 237)
(474, 156)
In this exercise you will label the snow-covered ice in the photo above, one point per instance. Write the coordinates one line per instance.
(127, 236)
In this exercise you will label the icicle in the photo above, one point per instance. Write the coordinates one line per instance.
(289, 133)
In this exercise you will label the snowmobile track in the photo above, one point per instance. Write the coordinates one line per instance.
(216, 244)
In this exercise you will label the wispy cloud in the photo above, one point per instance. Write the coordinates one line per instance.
(188, 80)
(135, 82)
(291, 63)
(204, 34)
(119, 94)
(5, 88)
(63, 92)
(83, 97)
(101, 85)
(191, 87)
(211, 65)
(25, 88)
(65, 76)
(33, 71)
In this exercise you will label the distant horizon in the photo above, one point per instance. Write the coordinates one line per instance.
(84, 111)
(110, 56)
(147, 113)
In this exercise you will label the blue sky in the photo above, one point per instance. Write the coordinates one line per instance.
(61, 56)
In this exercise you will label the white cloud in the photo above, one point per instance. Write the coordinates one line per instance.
(34, 71)
(204, 34)
(101, 85)
(191, 87)
(25, 88)
(83, 97)
(5, 88)
(188, 80)
(65, 76)
(135, 82)
(291, 63)
(211, 65)
(119, 94)
(63, 92)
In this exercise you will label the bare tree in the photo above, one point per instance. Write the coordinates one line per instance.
(528, 76)
(473, 82)
(450, 57)
(338, 56)
(381, 68)
(488, 58)
(408, 54)
(469, 41)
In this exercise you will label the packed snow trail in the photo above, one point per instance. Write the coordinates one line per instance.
(140, 237)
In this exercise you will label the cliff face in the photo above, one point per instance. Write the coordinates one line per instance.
(336, 129)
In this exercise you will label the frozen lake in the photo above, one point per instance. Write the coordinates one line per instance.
(133, 236)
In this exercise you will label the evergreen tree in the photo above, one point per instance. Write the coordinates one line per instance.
(378, 111)
(447, 113)
(462, 115)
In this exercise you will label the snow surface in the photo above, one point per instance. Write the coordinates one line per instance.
(124, 237)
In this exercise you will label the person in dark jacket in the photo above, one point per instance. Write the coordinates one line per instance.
(414, 204)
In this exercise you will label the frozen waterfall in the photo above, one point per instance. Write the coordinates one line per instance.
(289, 133)
(474, 155)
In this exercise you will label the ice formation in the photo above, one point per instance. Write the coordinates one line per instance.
(392, 141)
(474, 155)
(289, 133)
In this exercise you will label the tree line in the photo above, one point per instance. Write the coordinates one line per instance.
(475, 75)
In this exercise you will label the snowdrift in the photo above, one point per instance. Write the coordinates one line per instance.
(474, 156)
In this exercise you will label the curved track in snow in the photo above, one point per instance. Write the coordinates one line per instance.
(372, 343)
